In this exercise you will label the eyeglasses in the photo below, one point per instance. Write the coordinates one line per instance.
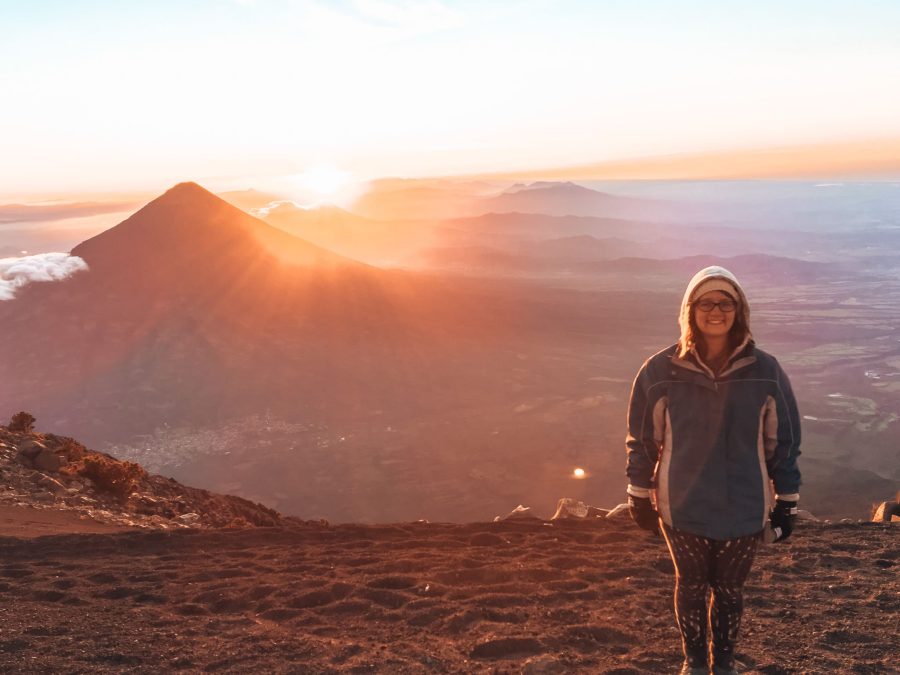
(727, 306)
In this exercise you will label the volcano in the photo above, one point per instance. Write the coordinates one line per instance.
(188, 308)
(194, 314)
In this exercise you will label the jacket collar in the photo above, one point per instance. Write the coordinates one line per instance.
(741, 356)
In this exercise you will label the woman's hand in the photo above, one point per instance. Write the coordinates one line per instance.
(783, 518)
(643, 513)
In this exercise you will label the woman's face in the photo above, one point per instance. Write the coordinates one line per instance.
(714, 323)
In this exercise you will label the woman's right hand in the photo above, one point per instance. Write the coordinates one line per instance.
(643, 513)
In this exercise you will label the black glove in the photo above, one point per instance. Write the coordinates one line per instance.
(783, 518)
(643, 513)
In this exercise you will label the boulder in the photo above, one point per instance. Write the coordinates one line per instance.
(47, 460)
(35, 455)
(28, 450)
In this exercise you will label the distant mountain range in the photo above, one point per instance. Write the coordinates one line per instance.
(447, 200)
(380, 242)
(569, 199)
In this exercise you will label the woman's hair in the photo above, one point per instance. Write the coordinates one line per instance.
(691, 337)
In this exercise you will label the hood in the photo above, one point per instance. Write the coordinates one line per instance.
(707, 273)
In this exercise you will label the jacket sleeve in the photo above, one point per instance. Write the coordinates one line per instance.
(642, 449)
(782, 465)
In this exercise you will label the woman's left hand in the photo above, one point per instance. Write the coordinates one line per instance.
(783, 518)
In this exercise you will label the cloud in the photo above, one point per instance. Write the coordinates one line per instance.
(284, 204)
(18, 272)
(24, 213)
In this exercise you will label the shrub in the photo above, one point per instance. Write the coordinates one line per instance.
(116, 478)
(70, 449)
(22, 423)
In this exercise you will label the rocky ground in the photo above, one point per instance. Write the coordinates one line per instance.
(106, 568)
(517, 596)
(58, 474)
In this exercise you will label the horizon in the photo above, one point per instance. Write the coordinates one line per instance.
(47, 226)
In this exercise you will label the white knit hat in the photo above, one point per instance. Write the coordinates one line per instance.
(715, 284)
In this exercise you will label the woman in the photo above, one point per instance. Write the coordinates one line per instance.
(712, 423)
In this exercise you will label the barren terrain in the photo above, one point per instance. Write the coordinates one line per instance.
(509, 597)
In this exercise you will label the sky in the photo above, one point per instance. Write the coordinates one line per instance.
(106, 95)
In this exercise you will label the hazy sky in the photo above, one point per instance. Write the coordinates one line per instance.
(113, 94)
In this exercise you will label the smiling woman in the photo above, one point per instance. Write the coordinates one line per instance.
(713, 432)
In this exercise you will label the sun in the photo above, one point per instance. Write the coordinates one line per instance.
(326, 181)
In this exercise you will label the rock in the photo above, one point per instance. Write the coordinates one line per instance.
(50, 484)
(36, 455)
(47, 460)
(570, 508)
(520, 511)
(620, 510)
(147, 505)
(188, 518)
(542, 665)
(30, 447)
(27, 450)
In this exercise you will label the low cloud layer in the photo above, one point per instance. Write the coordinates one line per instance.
(31, 213)
(18, 272)
(285, 204)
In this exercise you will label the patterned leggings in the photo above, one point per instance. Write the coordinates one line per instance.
(700, 564)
